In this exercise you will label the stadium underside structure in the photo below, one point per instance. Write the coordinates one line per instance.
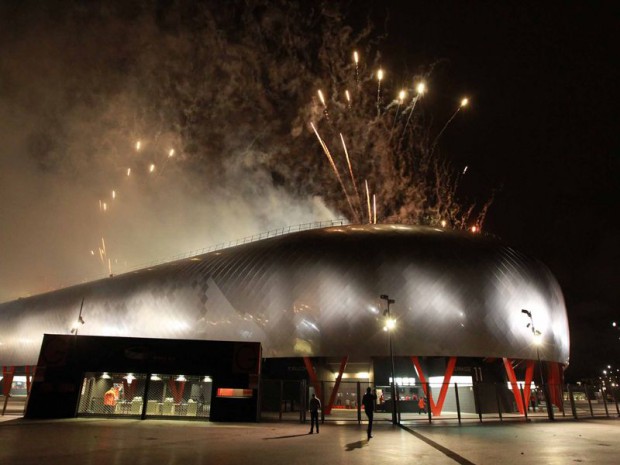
(314, 296)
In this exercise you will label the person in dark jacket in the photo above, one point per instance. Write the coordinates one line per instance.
(368, 401)
(315, 407)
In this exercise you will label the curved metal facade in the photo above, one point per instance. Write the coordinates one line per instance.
(316, 293)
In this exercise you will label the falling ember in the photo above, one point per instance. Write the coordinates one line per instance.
(103, 245)
(333, 165)
(100, 205)
(465, 169)
(356, 60)
(420, 88)
(110, 266)
(474, 229)
(138, 145)
(348, 96)
(464, 102)
(443, 223)
(368, 201)
(346, 153)
(113, 194)
(321, 98)
(374, 208)
(356, 57)
(171, 153)
(105, 207)
(151, 168)
(128, 171)
(379, 78)
(92, 252)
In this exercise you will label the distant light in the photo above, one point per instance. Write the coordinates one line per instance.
(609, 366)
(155, 377)
(130, 377)
(181, 378)
(390, 324)
(151, 168)
(474, 229)
(614, 324)
(171, 153)
(380, 75)
(105, 375)
(604, 372)
(420, 88)
(464, 102)
(207, 379)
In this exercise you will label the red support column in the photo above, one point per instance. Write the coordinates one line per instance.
(332, 398)
(313, 378)
(529, 376)
(438, 407)
(7, 381)
(554, 381)
(513, 382)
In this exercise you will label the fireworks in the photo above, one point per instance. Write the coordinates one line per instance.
(336, 172)
(401, 172)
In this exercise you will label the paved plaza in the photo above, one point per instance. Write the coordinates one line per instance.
(86, 441)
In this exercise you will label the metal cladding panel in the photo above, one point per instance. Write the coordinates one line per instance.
(316, 293)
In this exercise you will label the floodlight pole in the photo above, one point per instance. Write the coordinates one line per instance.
(535, 334)
(389, 330)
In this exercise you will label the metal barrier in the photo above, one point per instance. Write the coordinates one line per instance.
(460, 403)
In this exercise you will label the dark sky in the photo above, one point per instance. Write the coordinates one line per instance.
(543, 130)
(78, 89)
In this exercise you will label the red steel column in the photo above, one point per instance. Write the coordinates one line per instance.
(332, 398)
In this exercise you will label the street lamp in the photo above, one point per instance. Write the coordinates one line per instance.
(390, 324)
(80, 320)
(537, 342)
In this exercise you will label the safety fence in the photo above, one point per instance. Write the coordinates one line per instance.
(285, 400)
(178, 396)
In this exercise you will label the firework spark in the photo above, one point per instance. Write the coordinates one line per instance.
(368, 201)
(463, 104)
(333, 165)
(374, 208)
(346, 153)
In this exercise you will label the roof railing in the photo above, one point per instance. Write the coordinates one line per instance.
(244, 240)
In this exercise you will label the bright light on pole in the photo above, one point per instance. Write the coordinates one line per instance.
(390, 324)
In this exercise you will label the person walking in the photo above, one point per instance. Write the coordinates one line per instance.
(421, 406)
(368, 401)
(315, 407)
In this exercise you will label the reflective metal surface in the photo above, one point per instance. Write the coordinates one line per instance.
(316, 293)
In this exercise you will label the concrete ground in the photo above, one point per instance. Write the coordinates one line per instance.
(86, 441)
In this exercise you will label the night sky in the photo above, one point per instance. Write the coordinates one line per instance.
(542, 78)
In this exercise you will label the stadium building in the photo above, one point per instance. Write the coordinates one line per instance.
(335, 309)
